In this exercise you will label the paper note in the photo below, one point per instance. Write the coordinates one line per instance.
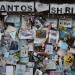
(9, 70)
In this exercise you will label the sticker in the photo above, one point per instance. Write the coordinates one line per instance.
(68, 59)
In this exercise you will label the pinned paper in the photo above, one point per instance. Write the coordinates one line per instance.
(72, 50)
(13, 35)
(10, 29)
(53, 36)
(2, 70)
(30, 64)
(42, 7)
(56, 73)
(29, 71)
(61, 53)
(51, 65)
(49, 49)
(1, 35)
(31, 47)
(24, 53)
(9, 70)
(20, 69)
(24, 59)
(38, 72)
(63, 45)
(6, 55)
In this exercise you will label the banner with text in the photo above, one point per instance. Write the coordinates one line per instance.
(62, 9)
(17, 6)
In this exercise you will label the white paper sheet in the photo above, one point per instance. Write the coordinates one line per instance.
(38, 72)
(9, 70)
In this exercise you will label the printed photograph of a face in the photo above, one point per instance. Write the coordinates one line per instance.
(40, 33)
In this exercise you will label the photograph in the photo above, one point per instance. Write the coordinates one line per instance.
(53, 37)
(14, 45)
(53, 23)
(49, 48)
(41, 33)
(67, 23)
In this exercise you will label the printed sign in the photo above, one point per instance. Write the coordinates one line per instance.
(62, 8)
(17, 6)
